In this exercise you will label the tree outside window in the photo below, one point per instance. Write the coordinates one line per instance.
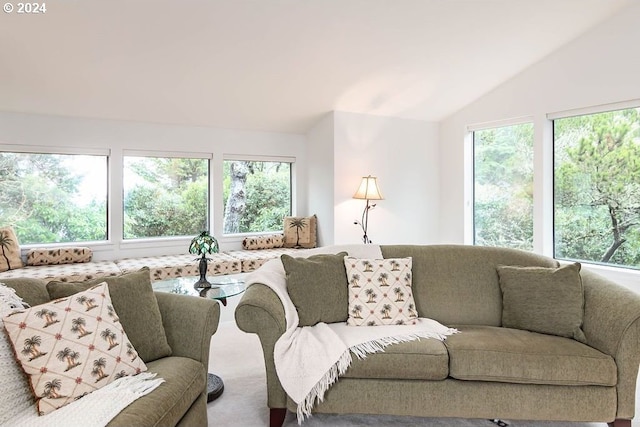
(165, 196)
(257, 195)
(54, 198)
(597, 188)
(503, 186)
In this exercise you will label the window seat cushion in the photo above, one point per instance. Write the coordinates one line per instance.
(78, 272)
(170, 266)
(161, 267)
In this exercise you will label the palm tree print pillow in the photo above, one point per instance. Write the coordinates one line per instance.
(380, 292)
(71, 346)
(300, 232)
(10, 250)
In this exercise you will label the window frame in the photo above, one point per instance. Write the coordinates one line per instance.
(256, 158)
(584, 111)
(470, 236)
(165, 154)
(543, 201)
(73, 151)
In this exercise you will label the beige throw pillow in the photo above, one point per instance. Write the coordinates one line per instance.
(300, 232)
(72, 346)
(380, 292)
(545, 300)
(9, 250)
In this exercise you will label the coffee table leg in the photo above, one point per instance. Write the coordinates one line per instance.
(215, 387)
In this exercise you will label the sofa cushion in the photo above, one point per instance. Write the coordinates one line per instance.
(71, 346)
(458, 284)
(10, 259)
(380, 291)
(318, 287)
(488, 353)
(185, 381)
(545, 300)
(136, 304)
(32, 291)
(300, 232)
(423, 359)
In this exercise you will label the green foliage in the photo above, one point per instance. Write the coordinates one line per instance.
(597, 187)
(503, 191)
(41, 196)
(165, 197)
(268, 196)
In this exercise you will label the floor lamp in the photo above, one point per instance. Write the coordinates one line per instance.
(368, 190)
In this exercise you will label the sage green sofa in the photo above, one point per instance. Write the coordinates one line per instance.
(188, 323)
(486, 371)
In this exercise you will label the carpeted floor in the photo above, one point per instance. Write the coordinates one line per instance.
(237, 358)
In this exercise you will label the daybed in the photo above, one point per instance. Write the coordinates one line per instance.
(174, 343)
(487, 370)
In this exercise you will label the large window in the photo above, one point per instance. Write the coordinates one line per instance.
(165, 196)
(54, 198)
(597, 187)
(257, 195)
(503, 186)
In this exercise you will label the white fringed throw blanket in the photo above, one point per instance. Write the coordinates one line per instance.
(93, 410)
(310, 359)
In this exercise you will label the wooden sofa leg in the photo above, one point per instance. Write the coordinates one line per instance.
(277, 415)
(620, 423)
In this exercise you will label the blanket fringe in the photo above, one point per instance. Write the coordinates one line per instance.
(318, 391)
(316, 395)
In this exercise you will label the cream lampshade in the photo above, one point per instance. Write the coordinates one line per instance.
(368, 190)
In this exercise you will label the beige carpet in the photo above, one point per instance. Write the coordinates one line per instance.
(237, 358)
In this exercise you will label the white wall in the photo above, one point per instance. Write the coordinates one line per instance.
(600, 67)
(404, 155)
(320, 142)
(52, 131)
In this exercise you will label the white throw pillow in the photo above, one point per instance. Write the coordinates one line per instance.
(380, 292)
(16, 394)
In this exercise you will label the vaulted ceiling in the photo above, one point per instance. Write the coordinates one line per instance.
(275, 65)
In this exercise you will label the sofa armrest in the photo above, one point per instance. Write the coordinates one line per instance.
(261, 312)
(189, 322)
(612, 325)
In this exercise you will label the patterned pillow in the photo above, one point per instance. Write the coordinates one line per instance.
(71, 346)
(300, 232)
(270, 241)
(10, 259)
(16, 394)
(380, 292)
(66, 255)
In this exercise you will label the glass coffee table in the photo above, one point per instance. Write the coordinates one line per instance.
(222, 287)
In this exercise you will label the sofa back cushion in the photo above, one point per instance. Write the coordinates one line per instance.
(458, 284)
(32, 291)
(136, 304)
